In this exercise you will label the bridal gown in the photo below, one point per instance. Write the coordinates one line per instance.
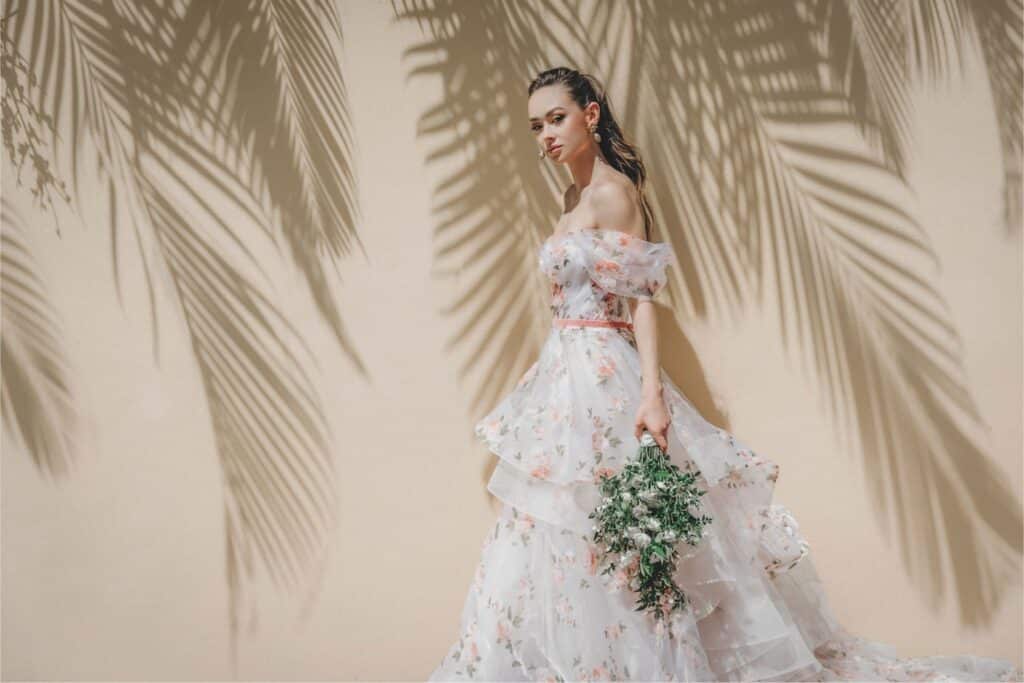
(539, 609)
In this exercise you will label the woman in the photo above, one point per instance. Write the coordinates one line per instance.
(538, 608)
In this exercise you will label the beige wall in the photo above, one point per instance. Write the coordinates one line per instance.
(118, 571)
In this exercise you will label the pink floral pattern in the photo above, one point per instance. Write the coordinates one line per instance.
(592, 273)
(538, 608)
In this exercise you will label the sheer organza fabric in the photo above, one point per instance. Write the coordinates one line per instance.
(538, 609)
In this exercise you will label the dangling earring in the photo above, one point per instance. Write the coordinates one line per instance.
(542, 154)
(593, 132)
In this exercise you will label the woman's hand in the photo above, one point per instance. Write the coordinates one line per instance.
(653, 416)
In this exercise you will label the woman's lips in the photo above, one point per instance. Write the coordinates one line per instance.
(554, 149)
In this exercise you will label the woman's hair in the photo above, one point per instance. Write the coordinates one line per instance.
(620, 153)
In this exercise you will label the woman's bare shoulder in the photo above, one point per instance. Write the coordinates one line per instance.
(615, 206)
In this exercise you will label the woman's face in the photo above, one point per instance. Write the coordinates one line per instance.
(558, 124)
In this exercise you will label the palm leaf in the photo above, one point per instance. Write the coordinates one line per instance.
(493, 208)
(283, 103)
(823, 220)
(37, 395)
(998, 26)
(876, 48)
(869, 60)
(128, 71)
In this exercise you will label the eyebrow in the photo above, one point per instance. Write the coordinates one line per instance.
(549, 111)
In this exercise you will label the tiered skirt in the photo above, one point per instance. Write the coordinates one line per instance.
(538, 607)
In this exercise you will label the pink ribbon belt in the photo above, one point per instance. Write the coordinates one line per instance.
(584, 322)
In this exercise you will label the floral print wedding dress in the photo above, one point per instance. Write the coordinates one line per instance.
(538, 608)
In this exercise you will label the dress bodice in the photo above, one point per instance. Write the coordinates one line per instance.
(593, 272)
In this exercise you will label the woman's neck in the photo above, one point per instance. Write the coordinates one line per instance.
(584, 168)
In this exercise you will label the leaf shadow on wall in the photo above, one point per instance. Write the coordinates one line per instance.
(219, 131)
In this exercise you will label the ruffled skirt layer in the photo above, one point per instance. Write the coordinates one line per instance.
(538, 609)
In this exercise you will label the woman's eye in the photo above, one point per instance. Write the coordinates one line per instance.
(556, 119)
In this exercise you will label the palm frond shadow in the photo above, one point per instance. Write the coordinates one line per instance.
(202, 119)
(494, 212)
(773, 180)
(287, 82)
(39, 402)
(998, 29)
(876, 51)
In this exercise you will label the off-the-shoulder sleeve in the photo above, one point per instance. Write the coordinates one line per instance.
(625, 265)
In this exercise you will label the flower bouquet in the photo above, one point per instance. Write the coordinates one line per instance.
(647, 509)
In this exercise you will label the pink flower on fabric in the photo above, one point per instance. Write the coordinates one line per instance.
(503, 630)
(492, 429)
(624, 239)
(542, 465)
(602, 472)
(605, 368)
(607, 266)
(524, 523)
(557, 295)
(593, 560)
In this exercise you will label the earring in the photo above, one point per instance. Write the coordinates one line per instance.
(542, 154)
(595, 134)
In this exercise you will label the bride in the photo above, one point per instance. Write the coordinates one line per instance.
(538, 608)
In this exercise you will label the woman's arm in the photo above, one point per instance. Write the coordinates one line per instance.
(645, 329)
(653, 413)
(616, 208)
